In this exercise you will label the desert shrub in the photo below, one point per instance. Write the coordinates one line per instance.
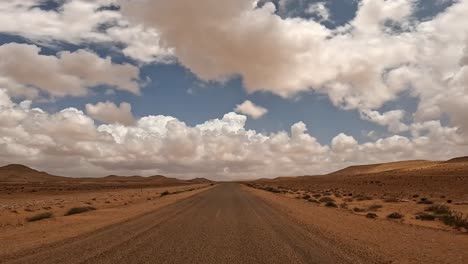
(313, 200)
(358, 210)
(344, 205)
(40, 216)
(271, 189)
(337, 195)
(331, 204)
(425, 217)
(375, 207)
(425, 201)
(165, 193)
(326, 194)
(456, 219)
(395, 216)
(79, 210)
(438, 209)
(362, 197)
(317, 195)
(371, 215)
(391, 200)
(326, 200)
(306, 197)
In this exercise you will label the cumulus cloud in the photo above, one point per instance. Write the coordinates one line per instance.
(362, 65)
(81, 21)
(23, 70)
(108, 112)
(251, 109)
(319, 10)
(69, 142)
(391, 119)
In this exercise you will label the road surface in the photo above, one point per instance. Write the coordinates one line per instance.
(225, 224)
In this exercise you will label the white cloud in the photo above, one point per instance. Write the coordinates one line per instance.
(320, 10)
(250, 109)
(391, 119)
(69, 142)
(370, 61)
(23, 70)
(80, 21)
(108, 112)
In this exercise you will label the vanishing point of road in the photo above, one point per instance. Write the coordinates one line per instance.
(225, 224)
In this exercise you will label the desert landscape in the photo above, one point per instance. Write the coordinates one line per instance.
(399, 212)
(233, 131)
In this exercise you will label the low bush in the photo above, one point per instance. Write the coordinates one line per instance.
(425, 201)
(358, 210)
(326, 200)
(165, 193)
(391, 200)
(79, 210)
(375, 207)
(313, 200)
(317, 195)
(371, 215)
(331, 204)
(456, 219)
(362, 197)
(306, 197)
(438, 209)
(425, 217)
(395, 216)
(40, 216)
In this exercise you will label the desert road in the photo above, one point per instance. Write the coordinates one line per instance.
(225, 224)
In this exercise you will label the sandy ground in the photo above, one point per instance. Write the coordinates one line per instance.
(408, 188)
(388, 240)
(113, 206)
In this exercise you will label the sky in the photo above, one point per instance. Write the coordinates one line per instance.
(233, 89)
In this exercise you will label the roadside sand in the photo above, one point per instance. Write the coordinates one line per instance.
(391, 241)
(113, 207)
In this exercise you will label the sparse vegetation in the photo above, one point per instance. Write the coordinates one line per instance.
(331, 204)
(165, 193)
(375, 207)
(456, 219)
(79, 210)
(40, 216)
(306, 197)
(317, 195)
(391, 200)
(326, 200)
(371, 215)
(438, 209)
(358, 210)
(425, 217)
(362, 197)
(395, 216)
(425, 201)
(313, 200)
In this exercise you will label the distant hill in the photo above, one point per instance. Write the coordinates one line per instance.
(458, 160)
(200, 180)
(16, 173)
(385, 167)
(21, 173)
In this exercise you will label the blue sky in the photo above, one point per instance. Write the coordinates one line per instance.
(339, 109)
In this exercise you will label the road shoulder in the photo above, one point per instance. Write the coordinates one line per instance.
(386, 240)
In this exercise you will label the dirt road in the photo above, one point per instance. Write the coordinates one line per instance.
(225, 224)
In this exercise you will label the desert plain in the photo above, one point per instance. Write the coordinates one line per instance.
(399, 212)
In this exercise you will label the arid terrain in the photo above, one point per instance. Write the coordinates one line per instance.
(422, 192)
(343, 217)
